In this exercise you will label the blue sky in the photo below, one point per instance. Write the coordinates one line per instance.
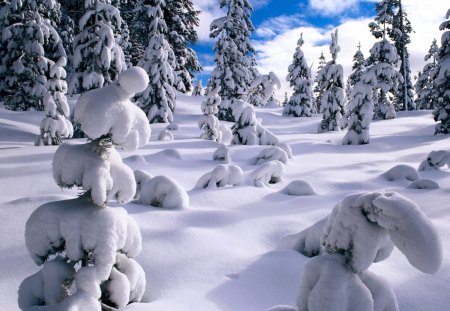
(278, 25)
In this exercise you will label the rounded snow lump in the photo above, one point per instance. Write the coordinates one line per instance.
(424, 184)
(401, 172)
(298, 188)
(133, 80)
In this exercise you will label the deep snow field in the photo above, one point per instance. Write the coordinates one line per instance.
(222, 252)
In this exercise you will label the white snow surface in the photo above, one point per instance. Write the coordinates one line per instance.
(222, 252)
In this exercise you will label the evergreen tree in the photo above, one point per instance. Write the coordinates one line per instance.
(441, 111)
(98, 59)
(198, 89)
(357, 70)
(29, 41)
(426, 97)
(209, 122)
(299, 77)
(232, 73)
(158, 99)
(286, 99)
(318, 84)
(401, 28)
(182, 19)
(262, 88)
(332, 103)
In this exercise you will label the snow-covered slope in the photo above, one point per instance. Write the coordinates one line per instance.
(222, 252)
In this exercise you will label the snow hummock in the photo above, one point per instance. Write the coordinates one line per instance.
(298, 188)
(222, 153)
(270, 154)
(165, 135)
(424, 184)
(267, 173)
(401, 172)
(435, 160)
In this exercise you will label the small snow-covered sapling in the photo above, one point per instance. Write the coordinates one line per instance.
(222, 153)
(267, 173)
(270, 154)
(221, 176)
(435, 160)
(363, 228)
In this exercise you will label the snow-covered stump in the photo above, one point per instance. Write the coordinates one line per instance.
(85, 247)
(362, 229)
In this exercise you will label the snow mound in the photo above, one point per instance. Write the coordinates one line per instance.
(401, 172)
(73, 226)
(306, 242)
(221, 176)
(227, 134)
(282, 308)
(162, 191)
(140, 177)
(435, 160)
(423, 184)
(222, 153)
(271, 154)
(165, 135)
(109, 112)
(298, 188)
(267, 173)
(95, 169)
(326, 284)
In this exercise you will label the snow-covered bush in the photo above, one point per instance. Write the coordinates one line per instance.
(332, 101)
(270, 154)
(286, 149)
(301, 102)
(109, 112)
(161, 191)
(435, 160)
(401, 172)
(68, 229)
(165, 135)
(221, 176)
(208, 122)
(425, 88)
(298, 188)
(222, 153)
(97, 57)
(248, 130)
(359, 231)
(198, 89)
(267, 173)
(173, 126)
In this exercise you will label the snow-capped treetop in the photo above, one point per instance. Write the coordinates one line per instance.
(425, 85)
(357, 70)
(384, 18)
(108, 111)
(334, 47)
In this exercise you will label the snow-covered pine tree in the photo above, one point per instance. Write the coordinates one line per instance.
(55, 126)
(441, 111)
(383, 58)
(208, 121)
(299, 77)
(426, 97)
(232, 73)
(85, 248)
(28, 37)
(98, 59)
(400, 34)
(262, 88)
(359, 112)
(158, 99)
(286, 99)
(357, 70)
(198, 89)
(318, 84)
(332, 102)
(4, 20)
(182, 19)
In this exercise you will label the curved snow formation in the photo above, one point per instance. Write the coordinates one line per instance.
(298, 188)
(435, 160)
(221, 176)
(401, 172)
(267, 173)
(108, 111)
(270, 154)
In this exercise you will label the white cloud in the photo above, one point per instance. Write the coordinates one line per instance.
(332, 7)
(276, 54)
(210, 10)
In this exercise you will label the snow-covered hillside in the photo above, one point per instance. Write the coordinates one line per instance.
(223, 251)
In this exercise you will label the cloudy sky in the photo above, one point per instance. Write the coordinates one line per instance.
(279, 23)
